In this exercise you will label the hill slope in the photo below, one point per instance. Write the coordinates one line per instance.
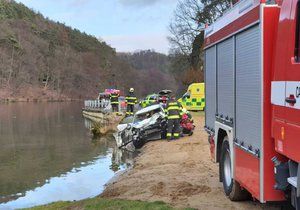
(42, 59)
(154, 69)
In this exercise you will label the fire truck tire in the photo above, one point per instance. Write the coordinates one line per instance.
(231, 187)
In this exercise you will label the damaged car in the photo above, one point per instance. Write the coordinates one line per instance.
(147, 124)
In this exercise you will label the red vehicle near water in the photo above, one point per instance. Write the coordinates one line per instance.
(252, 79)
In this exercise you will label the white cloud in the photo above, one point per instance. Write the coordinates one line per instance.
(131, 43)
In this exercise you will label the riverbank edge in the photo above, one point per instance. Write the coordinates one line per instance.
(103, 123)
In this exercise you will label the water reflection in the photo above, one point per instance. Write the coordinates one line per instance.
(47, 155)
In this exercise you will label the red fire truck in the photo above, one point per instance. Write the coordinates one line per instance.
(252, 78)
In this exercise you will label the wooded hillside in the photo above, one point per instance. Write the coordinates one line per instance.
(42, 59)
(153, 68)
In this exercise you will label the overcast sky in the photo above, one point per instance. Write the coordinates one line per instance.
(126, 25)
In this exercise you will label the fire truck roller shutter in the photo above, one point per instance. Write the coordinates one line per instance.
(225, 74)
(248, 89)
(210, 87)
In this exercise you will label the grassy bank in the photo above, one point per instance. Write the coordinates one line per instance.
(100, 203)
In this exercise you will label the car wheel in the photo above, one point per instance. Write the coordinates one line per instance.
(231, 187)
(138, 143)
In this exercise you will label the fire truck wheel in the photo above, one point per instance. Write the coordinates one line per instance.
(232, 188)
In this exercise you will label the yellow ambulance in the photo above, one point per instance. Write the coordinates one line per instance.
(194, 98)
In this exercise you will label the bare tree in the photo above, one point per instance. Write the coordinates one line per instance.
(11, 66)
(190, 18)
(184, 27)
(187, 36)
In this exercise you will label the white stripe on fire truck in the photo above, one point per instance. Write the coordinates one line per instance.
(278, 93)
(281, 90)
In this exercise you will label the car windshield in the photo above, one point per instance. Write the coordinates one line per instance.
(140, 117)
(147, 115)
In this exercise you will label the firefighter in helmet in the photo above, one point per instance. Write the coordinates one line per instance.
(131, 100)
(174, 113)
(114, 101)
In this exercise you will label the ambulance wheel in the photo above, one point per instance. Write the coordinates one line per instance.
(231, 187)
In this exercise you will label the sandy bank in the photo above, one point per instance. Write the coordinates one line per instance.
(179, 173)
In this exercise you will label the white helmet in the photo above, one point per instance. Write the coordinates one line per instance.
(131, 90)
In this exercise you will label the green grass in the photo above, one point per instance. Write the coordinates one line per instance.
(106, 204)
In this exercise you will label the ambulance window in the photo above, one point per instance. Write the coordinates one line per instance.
(198, 90)
(297, 40)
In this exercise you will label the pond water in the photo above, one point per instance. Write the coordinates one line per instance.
(47, 154)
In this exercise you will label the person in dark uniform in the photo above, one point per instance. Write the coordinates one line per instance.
(131, 100)
(174, 112)
(114, 101)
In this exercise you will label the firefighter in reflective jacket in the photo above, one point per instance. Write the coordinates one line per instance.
(114, 101)
(131, 100)
(174, 113)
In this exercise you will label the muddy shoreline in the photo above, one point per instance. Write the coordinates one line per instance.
(179, 173)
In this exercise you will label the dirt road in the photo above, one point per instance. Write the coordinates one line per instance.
(179, 173)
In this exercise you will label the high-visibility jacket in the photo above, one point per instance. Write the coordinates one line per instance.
(173, 110)
(131, 99)
(114, 98)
